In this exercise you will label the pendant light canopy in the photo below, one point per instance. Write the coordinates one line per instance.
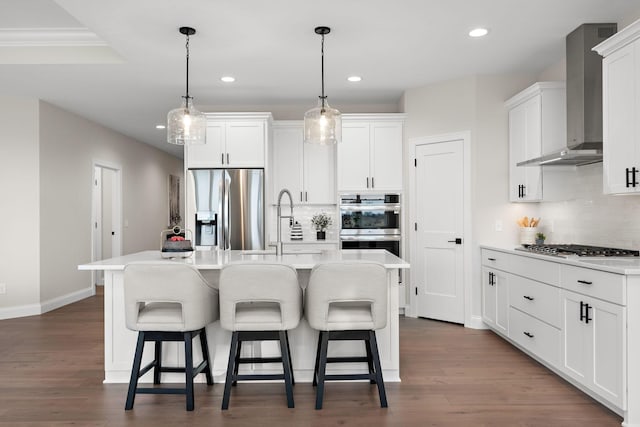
(322, 124)
(186, 125)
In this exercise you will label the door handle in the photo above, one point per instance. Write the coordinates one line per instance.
(457, 241)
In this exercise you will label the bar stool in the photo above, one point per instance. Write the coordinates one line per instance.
(347, 301)
(168, 302)
(259, 302)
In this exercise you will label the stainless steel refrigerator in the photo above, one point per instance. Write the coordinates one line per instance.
(225, 207)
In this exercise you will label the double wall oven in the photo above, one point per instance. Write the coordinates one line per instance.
(370, 221)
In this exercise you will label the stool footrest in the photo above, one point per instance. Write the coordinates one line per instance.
(343, 377)
(259, 377)
(161, 391)
(346, 359)
(260, 360)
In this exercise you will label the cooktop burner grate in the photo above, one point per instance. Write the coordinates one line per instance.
(580, 250)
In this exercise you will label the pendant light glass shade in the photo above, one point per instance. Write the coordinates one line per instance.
(322, 124)
(186, 125)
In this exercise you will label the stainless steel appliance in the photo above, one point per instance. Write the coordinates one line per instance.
(370, 221)
(584, 99)
(226, 207)
(570, 251)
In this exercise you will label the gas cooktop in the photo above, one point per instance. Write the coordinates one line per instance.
(566, 251)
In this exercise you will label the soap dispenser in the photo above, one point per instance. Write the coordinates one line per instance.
(296, 231)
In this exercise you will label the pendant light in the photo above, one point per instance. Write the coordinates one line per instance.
(186, 125)
(322, 124)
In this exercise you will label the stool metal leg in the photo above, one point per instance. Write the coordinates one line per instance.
(237, 365)
(322, 368)
(367, 345)
(135, 370)
(315, 369)
(286, 366)
(230, 370)
(373, 344)
(205, 355)
(293, 380)
(157, 368)
(188, 369)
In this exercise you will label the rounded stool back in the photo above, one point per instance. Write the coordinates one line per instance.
(167, 297)
(259, 297)
(347, 296)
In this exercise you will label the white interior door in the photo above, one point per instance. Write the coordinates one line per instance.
(438, 258)
(106, 224)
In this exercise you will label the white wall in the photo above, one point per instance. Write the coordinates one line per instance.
(19, 202)
(45, 193)
(69, 144)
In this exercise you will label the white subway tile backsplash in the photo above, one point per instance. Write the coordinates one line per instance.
(587, 216)
(303, 214)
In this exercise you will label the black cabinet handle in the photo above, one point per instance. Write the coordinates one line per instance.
(301, 197)
(633, 176)
(586, 313)
(491, 279)
(528, 297)
(227, 158)
(585, 282)
(530, 335)
(222, 158)
(491, 259)
(367, 182)
(582, 311)
(306, 199)
(524, 191)
(373, 185)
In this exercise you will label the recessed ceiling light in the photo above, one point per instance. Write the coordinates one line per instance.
(228, 79)
(478, 32)
(354, 78)
(161, 127)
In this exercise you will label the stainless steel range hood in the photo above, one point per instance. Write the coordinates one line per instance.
(584, 99)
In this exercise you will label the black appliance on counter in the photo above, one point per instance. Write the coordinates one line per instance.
(570, 250)
(370, 221)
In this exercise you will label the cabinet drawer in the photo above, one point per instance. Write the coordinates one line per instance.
(598, 284)
(537, 299)
(496, 259)
(541, 339)
(536, 269)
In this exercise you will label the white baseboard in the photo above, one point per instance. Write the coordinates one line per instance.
(52, 304)
(475, 322)
(19, 311)
(63, 300)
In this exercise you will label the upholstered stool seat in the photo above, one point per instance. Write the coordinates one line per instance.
(347, 301)
(259, 302)
(168, 302)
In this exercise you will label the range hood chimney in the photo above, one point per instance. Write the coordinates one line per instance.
(584, 99)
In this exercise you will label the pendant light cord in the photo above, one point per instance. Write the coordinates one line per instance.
(187, 97)
(322, 68)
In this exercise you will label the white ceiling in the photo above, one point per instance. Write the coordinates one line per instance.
(130, 73)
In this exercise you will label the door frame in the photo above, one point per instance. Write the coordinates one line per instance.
(116, 208)
(467, 275)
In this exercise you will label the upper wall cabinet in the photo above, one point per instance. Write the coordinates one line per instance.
(307, 170)
(537, 125)
(233, 140)
(621, 110)
(370, 154)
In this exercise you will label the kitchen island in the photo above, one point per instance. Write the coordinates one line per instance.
(119, 342)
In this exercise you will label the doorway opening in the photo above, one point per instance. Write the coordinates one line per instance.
(106, 215)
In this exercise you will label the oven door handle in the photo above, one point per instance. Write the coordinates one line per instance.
(371, 238)
(367, 208)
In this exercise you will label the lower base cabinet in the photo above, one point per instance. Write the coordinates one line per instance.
(572, 319)
(592, 338)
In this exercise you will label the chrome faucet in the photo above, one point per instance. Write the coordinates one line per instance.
(280, 216)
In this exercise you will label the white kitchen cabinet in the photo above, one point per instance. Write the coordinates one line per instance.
(306, 170)
(592, 339)
(370, 154)
(537, 125)
(621, 111)
(495, 299)
(233, 140)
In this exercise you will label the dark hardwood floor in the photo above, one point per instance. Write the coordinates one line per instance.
(51, 375)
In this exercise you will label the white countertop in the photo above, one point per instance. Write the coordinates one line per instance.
(215, 260)
(619, 265)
